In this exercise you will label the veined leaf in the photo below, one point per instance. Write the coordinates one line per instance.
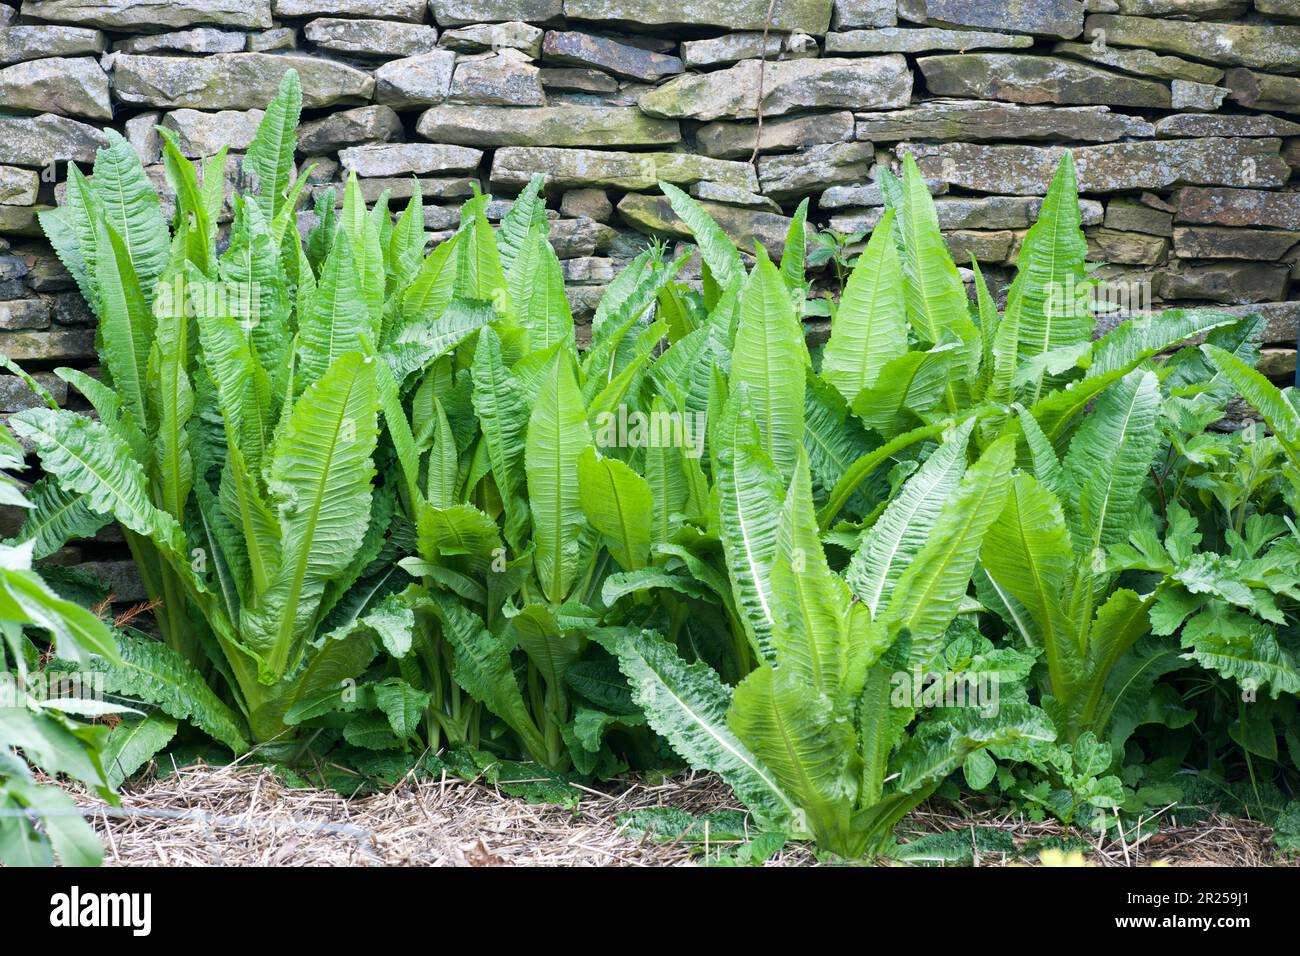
(339, 319)
(914, 383)
(1027, 553)
(749, 503)
(421, 341)
(432, 288)
(537, 291)
(270, 155)
(320, 484)
(618, 503)
(551, 649)
(793, 255)
(861, 469)
(1109, 459)
(1050, 273)
(801, 741)
(935, 297)
(769, 358)
(527, 213)
(687, 705)
(482, 668)
(929, 593)
(131, 207)
(502, 408)
(131, 745)
(125, 322)
(819, 631)
(832, 437)
(870, 326)
(1264, 397)
(89, 459)
(716, 249)
(152, 672)
(58, 515)
(903, 528)
(557, 435)
(1139, 339)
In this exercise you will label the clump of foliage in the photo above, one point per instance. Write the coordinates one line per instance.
(39, 822)
(386, 506)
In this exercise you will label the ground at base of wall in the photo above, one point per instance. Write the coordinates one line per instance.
(245, 816)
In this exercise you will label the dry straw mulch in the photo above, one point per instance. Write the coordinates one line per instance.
(243, 815)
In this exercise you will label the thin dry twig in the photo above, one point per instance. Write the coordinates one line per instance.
(762, 66)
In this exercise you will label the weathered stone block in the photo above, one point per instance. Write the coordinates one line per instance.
(1231, 283)
(203, 134)
(372, 38)
(412, 10)
(196, 40)
(403, 187)
(40, 140)
(1263, 91)
(736, 140)
(982, 120)
(576, 238)
(13, 268)
(36, 42)
(234, 81)
(856, 14)
(1225, 124)
(1127, 216)
(126, 16)
(572, 48)
(1141, 62)
(1112, 167)
(1271, 48)
(70, 86)
(506, 78)
(20, 220)
(833, 83)
(396, 159)
(867, 194)
(788, 16)
(1218, 242)
(459, 13)
(812, 169)
(515, 166)
(1239, 207)
(1126, 248)
(731, 195)
(482, 37)
(919, 40)
(423, 80)
(15, 396)
(281, 38)
(365, 124)
(18, 187)
(54, 345)
(577, 80)
(730, 48)
(1182, 8)
(968, 244)
(545, 126)
(1036, 79)
(591, 204)
(1188, 95)
(25, 314)
(1060, 18)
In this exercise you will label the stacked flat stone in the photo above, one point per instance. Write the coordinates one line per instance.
(1183, 117)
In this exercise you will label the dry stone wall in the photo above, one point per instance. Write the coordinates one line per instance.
(1183, 117)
